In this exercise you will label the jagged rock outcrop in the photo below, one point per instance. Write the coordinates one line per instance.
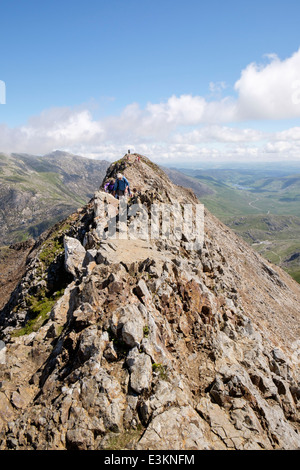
(145, 343)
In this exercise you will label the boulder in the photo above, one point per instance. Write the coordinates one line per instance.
(140, 367)
(75, 254)
(128, 322)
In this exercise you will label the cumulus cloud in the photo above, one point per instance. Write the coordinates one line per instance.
(292, 134)
(180, 126)
(224, 134)
(270, 91)
(51, 129)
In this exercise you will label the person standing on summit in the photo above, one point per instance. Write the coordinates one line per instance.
(121, 186)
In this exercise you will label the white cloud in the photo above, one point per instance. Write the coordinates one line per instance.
(292, 134)
(53, 128)
(183, 111)
(61, 124)
(216, 89)
(216, 133)
(270, 91)
(181, 126)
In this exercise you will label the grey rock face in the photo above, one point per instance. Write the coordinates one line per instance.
(140, 367)
(130, 323)
(75, 255)
(151, 345)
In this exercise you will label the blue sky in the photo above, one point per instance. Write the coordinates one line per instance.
(170, 79)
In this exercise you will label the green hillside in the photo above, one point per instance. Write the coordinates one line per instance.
(260, 205)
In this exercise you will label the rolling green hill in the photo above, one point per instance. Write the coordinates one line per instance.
(261, 205)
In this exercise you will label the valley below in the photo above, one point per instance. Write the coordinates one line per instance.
(38, 191)
(261, 204)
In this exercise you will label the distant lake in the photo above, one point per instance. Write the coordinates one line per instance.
(238, 186)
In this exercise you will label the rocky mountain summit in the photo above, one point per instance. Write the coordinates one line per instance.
(138, 342)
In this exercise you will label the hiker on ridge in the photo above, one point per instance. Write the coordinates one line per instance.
(121, 186)
(109, 187)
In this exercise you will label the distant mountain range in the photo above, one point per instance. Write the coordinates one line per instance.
(38, 191)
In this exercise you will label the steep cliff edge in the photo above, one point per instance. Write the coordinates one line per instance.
(148, 343)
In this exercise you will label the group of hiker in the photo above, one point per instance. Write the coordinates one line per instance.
(119, 187)
(137, 158)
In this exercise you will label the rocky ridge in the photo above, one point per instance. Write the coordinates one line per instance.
(146, 343)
